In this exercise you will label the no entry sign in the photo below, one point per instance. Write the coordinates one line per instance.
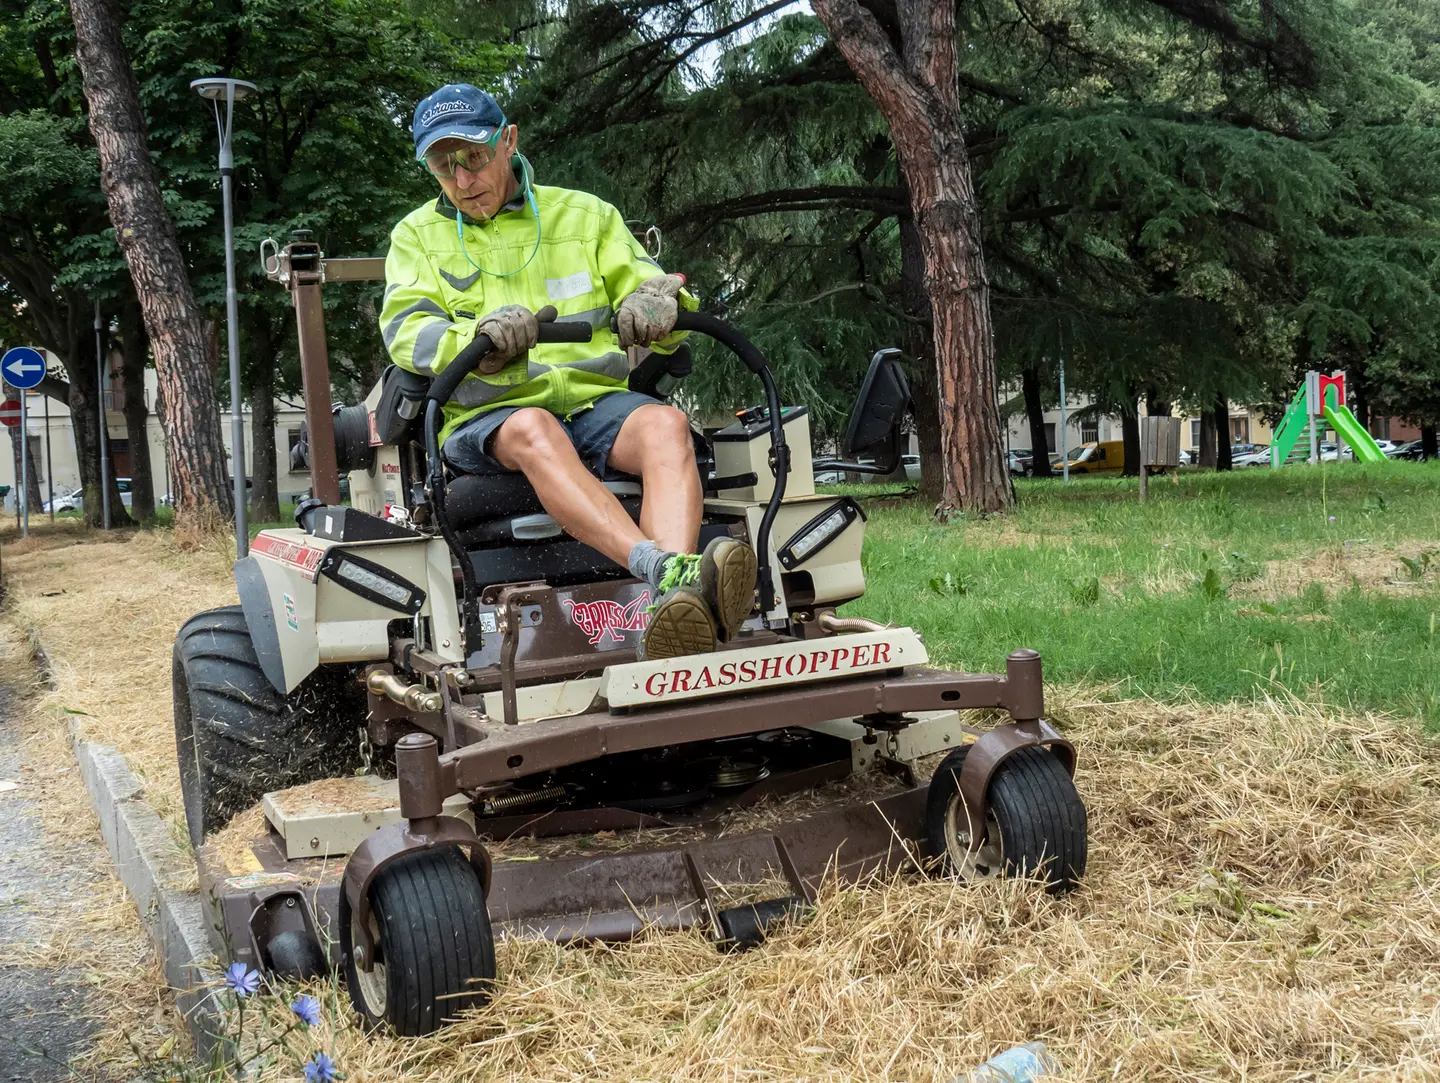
(10, 412)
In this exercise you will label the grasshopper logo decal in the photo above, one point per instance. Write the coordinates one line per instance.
(605, 616)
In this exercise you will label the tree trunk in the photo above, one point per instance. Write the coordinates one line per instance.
(134, 348)
(1429, 445)
(146, 236)
(1223, 456)
(1155, 406)
(920, 345)
(37, 502)
(918, 97)
(265, 493)
(1206, 451)
(1035, 412)
(1130, 439)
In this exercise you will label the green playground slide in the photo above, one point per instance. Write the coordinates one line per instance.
(1349, 429)
(1290, 429)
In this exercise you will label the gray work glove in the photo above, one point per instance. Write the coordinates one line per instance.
(649, 313)
(513, 329)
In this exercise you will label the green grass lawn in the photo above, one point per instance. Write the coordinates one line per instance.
(1321, 581)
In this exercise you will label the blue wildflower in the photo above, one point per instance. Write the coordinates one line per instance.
(307, 1009)
(241, 979)
(320, 1069)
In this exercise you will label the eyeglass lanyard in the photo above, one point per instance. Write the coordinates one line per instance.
(525, 180)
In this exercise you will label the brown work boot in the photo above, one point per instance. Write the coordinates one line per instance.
(727, 579)
(683, 622)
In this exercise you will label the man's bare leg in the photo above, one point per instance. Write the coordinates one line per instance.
(532, 441)
(655, 444)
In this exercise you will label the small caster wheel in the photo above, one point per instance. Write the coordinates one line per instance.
(435, 952)
(1036, 825)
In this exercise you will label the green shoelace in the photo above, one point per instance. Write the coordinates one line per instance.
(681, 570)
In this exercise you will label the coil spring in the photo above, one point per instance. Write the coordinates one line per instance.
(510, 802)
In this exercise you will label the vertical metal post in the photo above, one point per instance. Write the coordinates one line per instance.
(104, 428)
(1064, 437)
(306, 278)
(24, 467)
(232, 320)
(49, 462)
(226, 91)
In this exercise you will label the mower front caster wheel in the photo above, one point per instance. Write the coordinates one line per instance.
(435, 953)
(1036, 825)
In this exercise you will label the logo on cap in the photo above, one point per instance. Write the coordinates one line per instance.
(445, 109)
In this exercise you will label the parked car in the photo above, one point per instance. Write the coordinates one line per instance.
(1237, 450)
(912, 466)
(1258, 455)
(1021, 461)
(73, 501)
(1100, 457)
(1388, 448)
(1414, 450)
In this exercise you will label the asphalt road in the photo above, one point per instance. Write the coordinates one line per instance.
(43, 1016)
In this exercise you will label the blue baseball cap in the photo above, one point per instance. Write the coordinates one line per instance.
(457, 111)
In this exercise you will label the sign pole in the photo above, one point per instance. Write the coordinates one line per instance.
(1064, 436)
(49, 463)
(24, 468)
(100, 412)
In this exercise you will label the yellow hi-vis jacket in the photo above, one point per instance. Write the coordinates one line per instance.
(586, 264)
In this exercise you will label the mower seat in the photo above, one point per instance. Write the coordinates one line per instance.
(502, 509)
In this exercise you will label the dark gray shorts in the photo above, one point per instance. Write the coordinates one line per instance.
(592, 431)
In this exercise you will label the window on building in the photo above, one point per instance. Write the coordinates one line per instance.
(292, 440)
(1239, 430)
(1089, 432)
(1194, 432)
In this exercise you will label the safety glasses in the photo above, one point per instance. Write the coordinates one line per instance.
(472, 159)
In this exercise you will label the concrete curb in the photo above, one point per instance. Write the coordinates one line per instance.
(148, 859)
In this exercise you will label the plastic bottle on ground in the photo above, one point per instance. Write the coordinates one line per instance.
(1022, 1064)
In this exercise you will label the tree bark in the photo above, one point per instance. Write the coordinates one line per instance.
(1223, 455)
(919, 99)
(146, 236)
(265, 491)
(37, 502)
(134, 348)
(1035, 412)
(1130, 440)
(1206, 451)
(921, 346)
(1429, 444)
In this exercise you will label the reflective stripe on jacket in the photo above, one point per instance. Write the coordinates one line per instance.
(586, 264)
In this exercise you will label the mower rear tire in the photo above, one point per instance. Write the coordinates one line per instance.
(237, 737)
(1036, 824)
(435, 951)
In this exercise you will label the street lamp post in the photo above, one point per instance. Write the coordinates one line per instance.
(227, 92)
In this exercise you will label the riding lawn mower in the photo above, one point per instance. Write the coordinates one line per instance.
(419, 682)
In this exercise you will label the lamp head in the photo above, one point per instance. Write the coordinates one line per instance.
(216, 89)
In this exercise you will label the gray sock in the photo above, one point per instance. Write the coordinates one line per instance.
(647, 562)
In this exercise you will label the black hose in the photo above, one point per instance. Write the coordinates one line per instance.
(755, 361)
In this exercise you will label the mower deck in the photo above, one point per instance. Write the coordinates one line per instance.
(604, 872)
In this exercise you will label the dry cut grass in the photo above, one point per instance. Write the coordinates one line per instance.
(1263, 904)
(107, 607)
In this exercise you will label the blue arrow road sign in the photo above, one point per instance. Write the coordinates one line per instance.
(22, 367)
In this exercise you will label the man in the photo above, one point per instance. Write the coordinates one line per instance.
(481, 259)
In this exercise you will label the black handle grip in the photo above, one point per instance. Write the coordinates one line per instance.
(445, 385)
